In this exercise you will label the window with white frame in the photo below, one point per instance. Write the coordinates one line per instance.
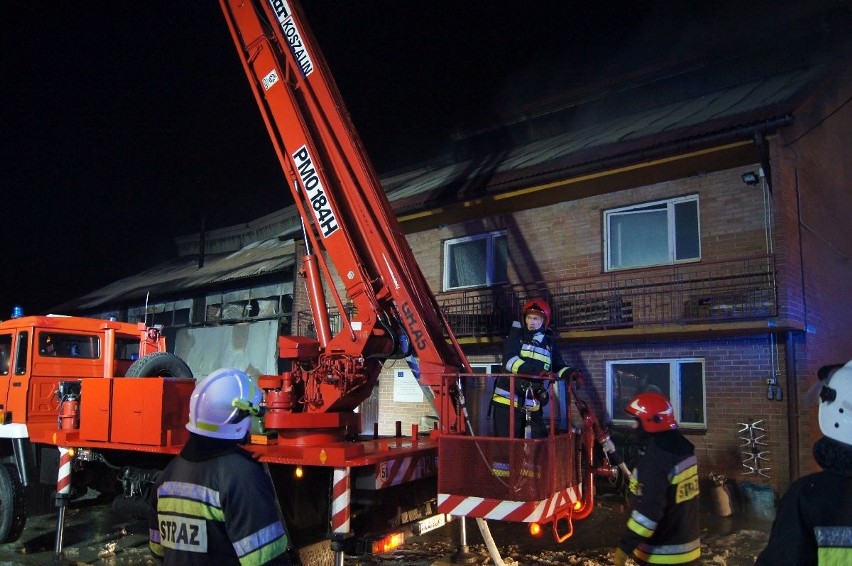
(475, 261)
(680, 379)
(657, 233)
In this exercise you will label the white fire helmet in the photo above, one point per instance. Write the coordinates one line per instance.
(835, 408)
(218, 406)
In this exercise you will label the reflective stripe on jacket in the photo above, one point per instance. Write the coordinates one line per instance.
(531, 402)
(533, 354)
(813, 523)
(835, 545)
(222, 509)
(663, 526)
(535, 350)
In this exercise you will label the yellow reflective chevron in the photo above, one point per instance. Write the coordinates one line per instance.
(686, 484)
(156, 548)
(263, 545)
(501, 396)
(681, 558)
(638, 528)
(190, 508)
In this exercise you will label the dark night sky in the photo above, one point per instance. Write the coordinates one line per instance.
(126, 122)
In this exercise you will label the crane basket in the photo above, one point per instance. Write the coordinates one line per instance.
(511, 479)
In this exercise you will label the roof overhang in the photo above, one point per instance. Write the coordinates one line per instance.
(583, 182)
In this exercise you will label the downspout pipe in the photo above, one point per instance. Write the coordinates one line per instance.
(792, 405)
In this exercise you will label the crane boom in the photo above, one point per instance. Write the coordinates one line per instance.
(352, 235)
(72, 386)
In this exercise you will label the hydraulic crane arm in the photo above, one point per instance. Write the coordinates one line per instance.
(350, 228)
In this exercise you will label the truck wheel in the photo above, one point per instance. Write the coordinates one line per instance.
(131, 507)
(159, 364)
(13, 504)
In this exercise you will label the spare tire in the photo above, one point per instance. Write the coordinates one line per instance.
(159, 364)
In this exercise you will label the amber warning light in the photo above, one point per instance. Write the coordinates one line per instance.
(388, 544)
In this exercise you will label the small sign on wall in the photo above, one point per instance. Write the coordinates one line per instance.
(405, 387)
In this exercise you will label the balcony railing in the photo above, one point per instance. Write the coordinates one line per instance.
(722, 291)
(703, 292)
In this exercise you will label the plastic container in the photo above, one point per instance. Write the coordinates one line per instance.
(759, 500)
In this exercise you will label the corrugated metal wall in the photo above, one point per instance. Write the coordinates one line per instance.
(251, 347)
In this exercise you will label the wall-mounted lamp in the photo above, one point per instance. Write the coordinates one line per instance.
(750, 178)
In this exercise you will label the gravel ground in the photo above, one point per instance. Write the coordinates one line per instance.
(732, 541)
(94, 535)
(738, 548)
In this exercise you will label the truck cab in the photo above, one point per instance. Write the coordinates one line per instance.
(48, 364)
(46, 361)
(38, 352)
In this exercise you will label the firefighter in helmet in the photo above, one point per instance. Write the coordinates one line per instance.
(813, 524)
(530, 350)
(663, 526)
(214, 502)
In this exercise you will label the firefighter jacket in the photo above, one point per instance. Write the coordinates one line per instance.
(813, 525)
(663, 527)
(215, 504)
(526, 353)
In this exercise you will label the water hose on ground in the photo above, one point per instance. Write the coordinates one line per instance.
(489, 543)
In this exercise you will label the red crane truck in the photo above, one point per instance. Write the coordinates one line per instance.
(107, 406)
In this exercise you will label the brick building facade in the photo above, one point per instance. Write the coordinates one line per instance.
(761, 293)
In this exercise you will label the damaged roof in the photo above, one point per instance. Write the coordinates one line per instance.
(184, 274)
(646, 117)
(597, 126)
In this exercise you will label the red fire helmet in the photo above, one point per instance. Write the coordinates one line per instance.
(538, 306)
(653, 410)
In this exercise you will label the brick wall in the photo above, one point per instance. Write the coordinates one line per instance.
(814, 200)
(736, 392)
(810, 207)
(391, 410)
(565, 239)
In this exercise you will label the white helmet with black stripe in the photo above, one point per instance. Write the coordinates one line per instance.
(835, 407)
